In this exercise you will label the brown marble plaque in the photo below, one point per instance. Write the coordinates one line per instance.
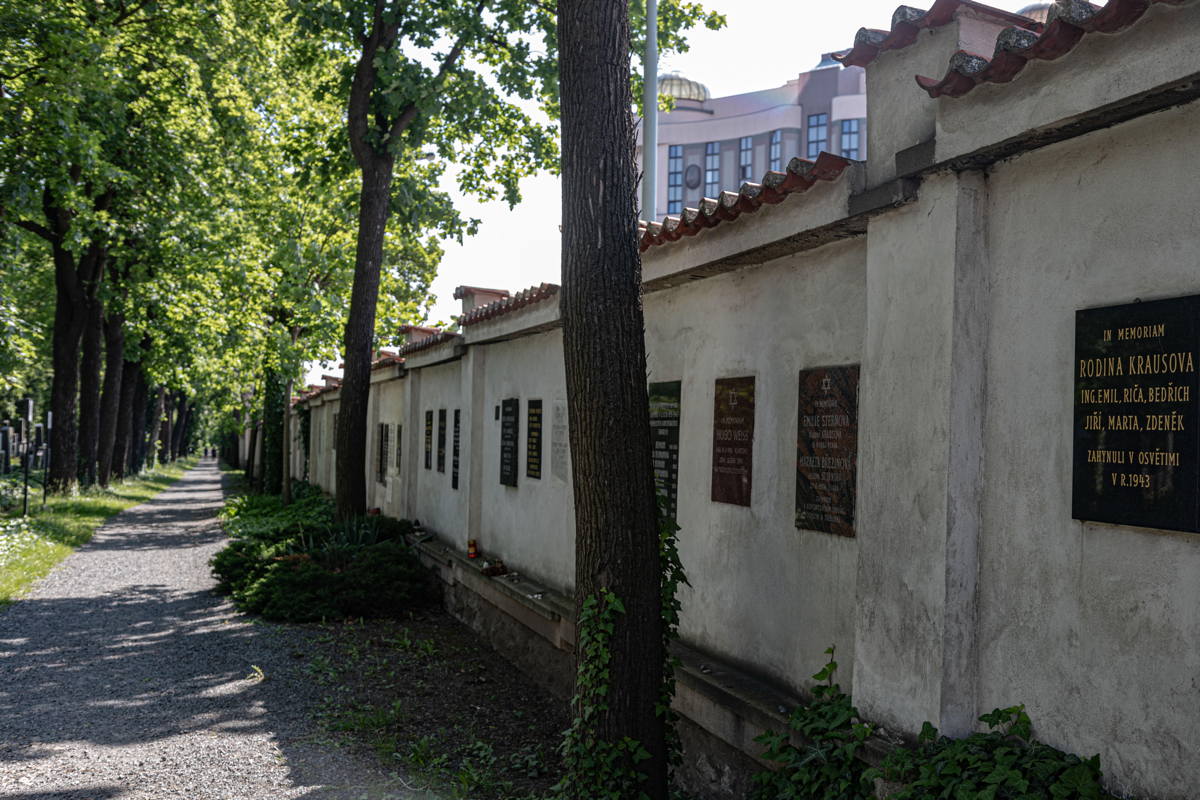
(827, 449)
(733, 441)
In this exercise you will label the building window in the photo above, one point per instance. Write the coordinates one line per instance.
(399, 445)
(712, 169)
(381, 472)
(850, 132)
(776, 151)
(746, 158)
(675, 179)
(818, 134)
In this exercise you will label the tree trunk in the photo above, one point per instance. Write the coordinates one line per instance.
(272, 467)
(286, 495)
(617, 542)
(70, 317)
(89, 389)
(179, 425)
(114, 364)
(160, 424)
(125, 404)
(250, 454)
(359, 338)
(137, 426)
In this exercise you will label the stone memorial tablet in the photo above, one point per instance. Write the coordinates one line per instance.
(441, 450)
(1136, 425)
(457, 439)
(533, 440)
(559, 444)
(510, 424)
(827, 449)
(664, 432)
(733, 441)
(428, 440)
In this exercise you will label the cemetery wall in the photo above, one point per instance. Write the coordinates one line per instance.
(1094, 625)
(929, 309)
(435, 393)
(752, 566)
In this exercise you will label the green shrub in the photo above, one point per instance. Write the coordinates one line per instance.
(296, 564)
(238, 565)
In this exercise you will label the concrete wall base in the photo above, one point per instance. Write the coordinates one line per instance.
(721, 708)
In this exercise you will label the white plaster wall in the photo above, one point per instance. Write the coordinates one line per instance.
(438, 506)
(531, 525)
(1095, 627)
(764, 593)
(386, 405)
(903, 459)
(321, 468)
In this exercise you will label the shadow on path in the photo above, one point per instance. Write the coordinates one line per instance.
(123, 676)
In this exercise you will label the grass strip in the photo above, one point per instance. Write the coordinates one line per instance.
(30, 548)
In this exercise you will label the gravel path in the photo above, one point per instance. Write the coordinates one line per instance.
(123, 676)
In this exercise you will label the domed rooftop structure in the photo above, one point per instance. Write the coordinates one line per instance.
(1036, 11)
(681, 88)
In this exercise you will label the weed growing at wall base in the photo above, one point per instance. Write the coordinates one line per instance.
(1003, 763)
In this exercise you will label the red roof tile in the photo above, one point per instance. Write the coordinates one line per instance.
(800, 176)
(461, 291)
(427, 342)
(386, 360)
(535, 294)
(1067, 24)
(907, 22)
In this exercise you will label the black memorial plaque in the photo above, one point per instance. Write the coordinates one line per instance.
(733, 441)
(441, 450)
(664, 433)
(510, 424)
(1136, 425)
(456, 441)
(428, 440)
(827, 449)
(533, 440)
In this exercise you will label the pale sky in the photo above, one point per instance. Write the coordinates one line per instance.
(764, 44)
(520, 248)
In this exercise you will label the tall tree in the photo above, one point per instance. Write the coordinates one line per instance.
(443, 82)
(616, 539)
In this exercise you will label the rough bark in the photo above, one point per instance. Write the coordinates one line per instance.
(157, 428)
(64, 386)
(137, 427)
(617, 545)
(89, 390)
(72, 277)
(121, 437)
(359, 338)
(179, 425)
(272, 460)
(250, 454)
(286, 495)
(114, 367)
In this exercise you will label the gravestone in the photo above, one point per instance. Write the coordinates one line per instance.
(455, 445)
(664, 433)
(1136, 459)
(441, 442)
(560, 446)
(533, 440)
(429, 439)
(827, 449)
(733, 441)
(6, 449)
(510, 425)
